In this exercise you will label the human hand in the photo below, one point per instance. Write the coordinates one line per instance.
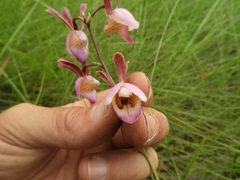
(79, 140)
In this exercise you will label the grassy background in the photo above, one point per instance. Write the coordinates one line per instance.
(189, 49)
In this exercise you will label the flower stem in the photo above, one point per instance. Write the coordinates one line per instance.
(154, 175)
(98, 53)
(98, 9)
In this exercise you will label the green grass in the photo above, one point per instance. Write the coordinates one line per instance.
(189, 49)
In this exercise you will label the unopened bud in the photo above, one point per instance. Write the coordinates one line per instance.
(89, 18)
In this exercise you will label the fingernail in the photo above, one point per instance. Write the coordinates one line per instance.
(149, 93)
(97, 168)
(149, 88)
(152, 126)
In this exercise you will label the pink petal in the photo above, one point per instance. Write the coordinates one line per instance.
(88, 87)
(112, 92)
(127, 113)
(124, 33)
(67, 15)
(65, 63)
(77, 44)
(91, 96)
(121, 66)
(124, 17)
(58, 15)
(114, 27)
(78, 85)
(135, 90)
(85, 86)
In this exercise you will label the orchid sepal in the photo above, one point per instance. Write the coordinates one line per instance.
(106, 77)
(59, 16)
(121, 66)
(67, 64)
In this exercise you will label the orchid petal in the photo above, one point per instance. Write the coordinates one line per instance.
(129, 112)
(114, 27)
(59, 16)
(91, 96)
(121, 66)
(65, 63)
(112, 92)
(124, 17)
(67, 15)
(77, 44)
(78, 85)
(135, 90)
(85, 86)
(88, 87)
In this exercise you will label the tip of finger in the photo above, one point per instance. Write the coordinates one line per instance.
(140, 80)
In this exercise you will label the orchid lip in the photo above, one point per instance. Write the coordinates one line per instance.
(127, 109)
(85, 86)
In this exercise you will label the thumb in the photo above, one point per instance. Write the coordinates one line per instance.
(61, 127)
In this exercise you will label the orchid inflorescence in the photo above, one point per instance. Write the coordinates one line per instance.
(125, 97)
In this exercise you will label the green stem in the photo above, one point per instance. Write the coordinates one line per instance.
(98, 9)
(154, 175)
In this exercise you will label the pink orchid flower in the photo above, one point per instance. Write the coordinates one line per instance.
(126, 98)
(85, 85)
(119, 21)
(77, 41)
